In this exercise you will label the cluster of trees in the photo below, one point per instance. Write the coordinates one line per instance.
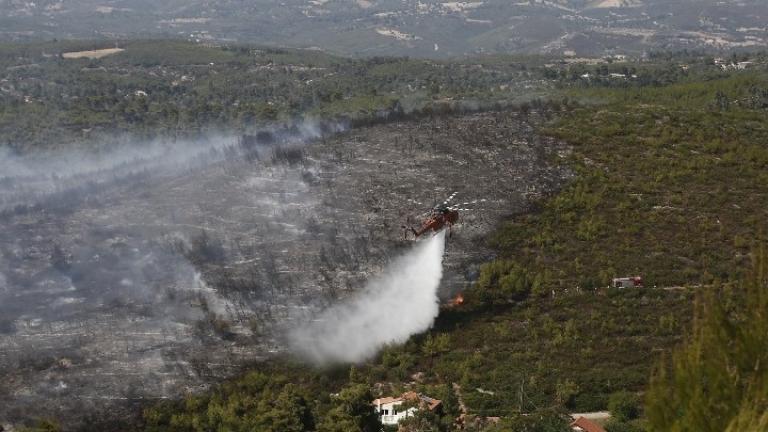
(718, 380)
(662, 69)
(176, 89)
(303, 401)
(503, 281)
(270, 402)
(654, 192)
(654, 195)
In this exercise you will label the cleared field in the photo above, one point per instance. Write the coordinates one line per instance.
(93, 54)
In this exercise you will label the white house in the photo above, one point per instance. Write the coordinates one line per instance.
(391, 411)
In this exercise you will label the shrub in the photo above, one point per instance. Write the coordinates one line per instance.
(718, 381)
(502, 281)
(624, 406)
(621, 426)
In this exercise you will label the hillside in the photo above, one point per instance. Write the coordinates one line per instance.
(170, 211)
(429, 28)
(161, 233)
(539, 332)
(169, 89)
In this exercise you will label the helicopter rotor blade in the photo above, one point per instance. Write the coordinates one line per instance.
(457, 208)
(462, 205)
(451, 197)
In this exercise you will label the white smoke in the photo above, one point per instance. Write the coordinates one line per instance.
(401, 302)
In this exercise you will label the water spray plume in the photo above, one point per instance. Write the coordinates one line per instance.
(395, 305)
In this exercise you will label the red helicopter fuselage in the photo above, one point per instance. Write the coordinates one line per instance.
(438, 219)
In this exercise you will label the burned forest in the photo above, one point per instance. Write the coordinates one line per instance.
(154, 272)
(200, 235)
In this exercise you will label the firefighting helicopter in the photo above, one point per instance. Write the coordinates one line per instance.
(440, 216)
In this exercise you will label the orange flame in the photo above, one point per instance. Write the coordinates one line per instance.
(458, 300)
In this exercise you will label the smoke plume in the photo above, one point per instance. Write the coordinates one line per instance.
(392, 307)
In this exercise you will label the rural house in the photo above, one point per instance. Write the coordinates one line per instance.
(392, 411)
(582, 424)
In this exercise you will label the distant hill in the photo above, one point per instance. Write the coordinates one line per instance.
(407, 27)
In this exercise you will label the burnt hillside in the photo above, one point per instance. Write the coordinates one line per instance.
(157, 275)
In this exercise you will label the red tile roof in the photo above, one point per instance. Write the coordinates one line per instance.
(586, 425)
(386, 400)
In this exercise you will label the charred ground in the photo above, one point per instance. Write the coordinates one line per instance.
(163, 269)
(148, 282)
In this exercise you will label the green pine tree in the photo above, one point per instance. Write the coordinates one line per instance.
(352, 412)
(718, 381)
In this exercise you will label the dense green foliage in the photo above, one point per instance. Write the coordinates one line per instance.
(539, 421)
(277, 398)
(666, 189)
(177, 89)
(624, 406)
(255, 402)
(571, 352)
(352, 411)
(668, 185)
(623, 426)
(718, 381)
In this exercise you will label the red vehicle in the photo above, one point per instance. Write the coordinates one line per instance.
(628, 282)
(439, 217)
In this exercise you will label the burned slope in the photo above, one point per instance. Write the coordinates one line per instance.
(379, 179)
(147, 281)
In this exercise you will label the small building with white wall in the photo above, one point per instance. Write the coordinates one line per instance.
(392, 410)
